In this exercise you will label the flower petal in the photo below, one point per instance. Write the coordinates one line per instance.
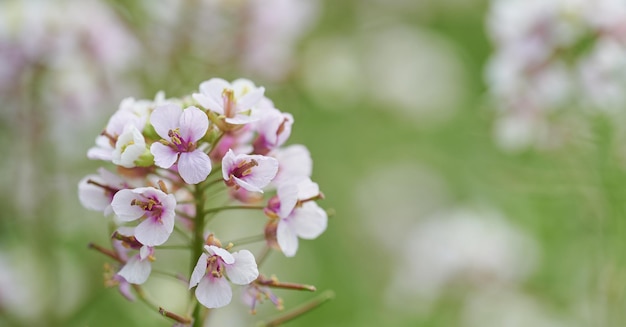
(208, 103)
(222, 253)
(240, 119)
(309, 221)
(288, 195)
(152, 232)
(122, 207)
(247, 186)
(244, 270)
(193, 124)
(198, 271)
(250, 99)
(194, 167)
(214, 292)
(287, 238)
(263, 173)
(307, 189)
(164, 156)
(295, 162)
(165, 118)
(228, 163)
(136, 271)
(91, 196)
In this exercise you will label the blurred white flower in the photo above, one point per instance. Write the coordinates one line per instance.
(461, 247)
(552, 57)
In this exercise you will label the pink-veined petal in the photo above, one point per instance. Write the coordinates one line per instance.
(244, 270)
(241, 119)
(222, 253)
(214, 292)
(165, 118)
(198, 271)
(145, 251)
(103, 149)
(193, 124)
(208, 103)
(288, 195)
(194, 167)
(91, 196)
(307, 189)
(122, 207)
(228, 163)
(164, 156)
(287, 238)
(264, 172)
(250, 99)
(309, 221)
(295, 162)
(151, 232)
(136, 271)
(214, 88)
(247, 186)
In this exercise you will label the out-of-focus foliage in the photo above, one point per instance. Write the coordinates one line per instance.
(434, 224)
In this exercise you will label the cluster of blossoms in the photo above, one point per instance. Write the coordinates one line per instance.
(171, 154)
(554, 55)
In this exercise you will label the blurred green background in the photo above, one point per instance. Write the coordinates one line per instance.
(434, 225)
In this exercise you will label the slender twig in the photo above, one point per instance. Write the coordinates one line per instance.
(298, 311)
(174, 316)
(106, 252)
(273, 282)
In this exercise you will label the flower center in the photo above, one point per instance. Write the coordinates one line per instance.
(214, 267)
(229, 103)
(153, 208)
(177, 143)
(244, 168)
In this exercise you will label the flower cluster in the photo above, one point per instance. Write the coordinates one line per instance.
(170, 156)
(553, 55)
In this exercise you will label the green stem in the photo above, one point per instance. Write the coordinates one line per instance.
(197, 244)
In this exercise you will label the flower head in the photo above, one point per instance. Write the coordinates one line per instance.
(96, 191)
(252, 172)
(138, 267)
(129, 147)
(212, 269)
(152, 205)
(235, 101)
(181, 130)
(298, 215)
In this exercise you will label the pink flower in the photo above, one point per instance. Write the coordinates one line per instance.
(213, 266)
(233, 101)
(299, 215)
(96, 191)
(181, 130)
(295, 164)
(131, 112)
(129, 147)
(154, 206)
(274, 128)
(138, 268)
(252, 172)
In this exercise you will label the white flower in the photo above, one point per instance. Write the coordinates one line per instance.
(214, 267)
